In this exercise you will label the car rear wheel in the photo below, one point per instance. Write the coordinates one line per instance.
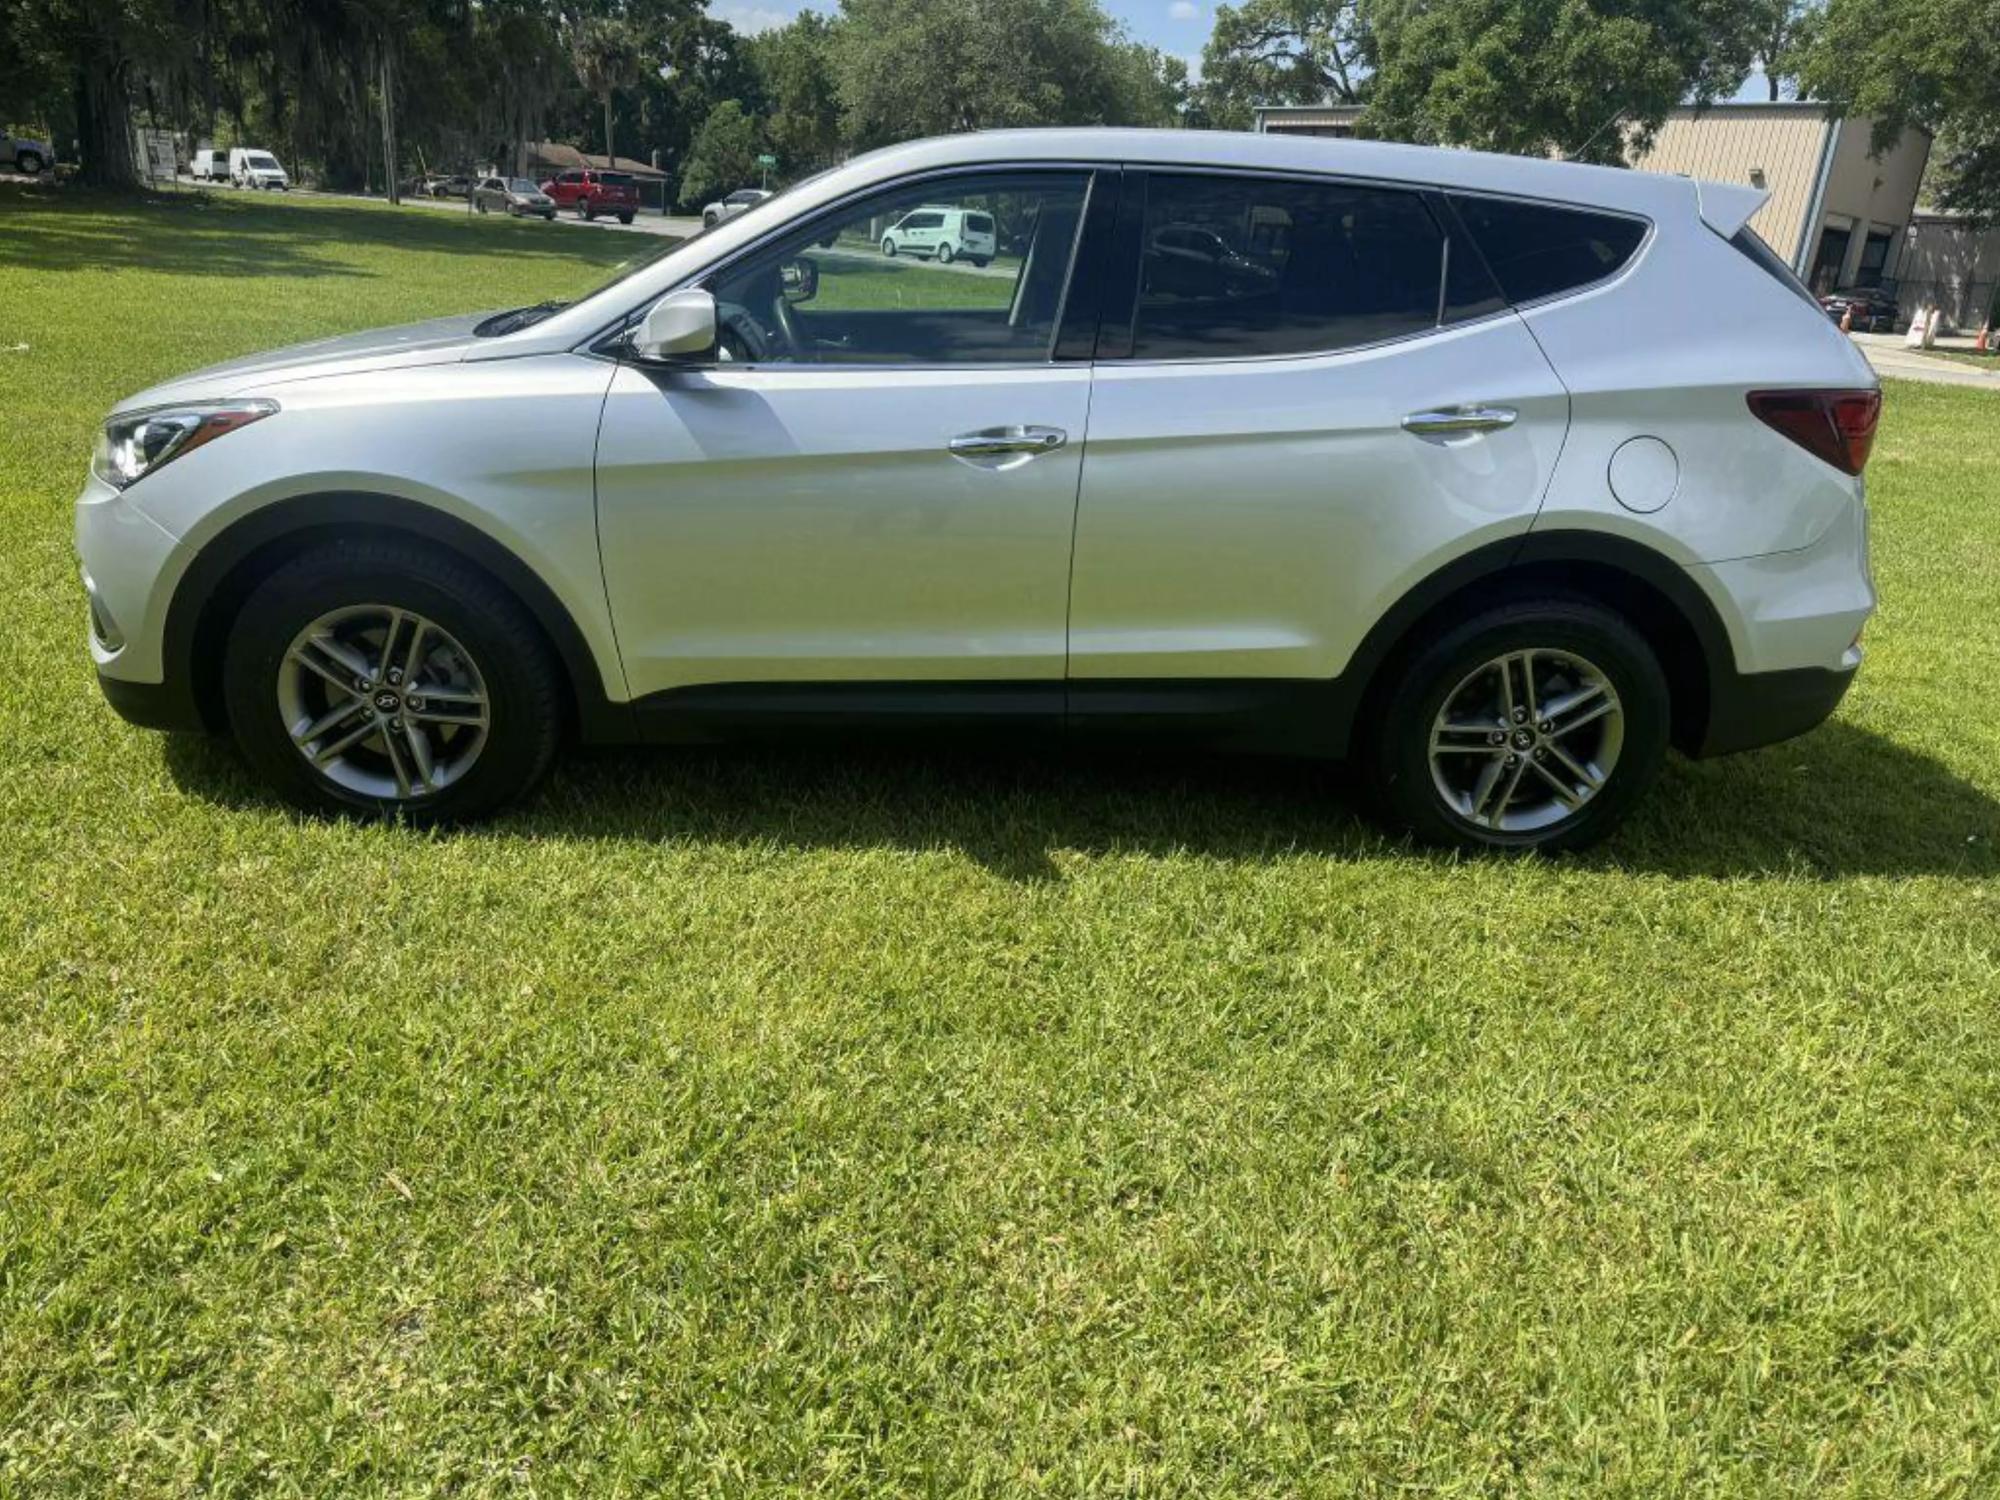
(624, 218)
(384, 678)
(29, 162)
(1534, 725)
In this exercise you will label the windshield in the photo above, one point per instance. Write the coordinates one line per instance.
(522, 185)
(261, 162)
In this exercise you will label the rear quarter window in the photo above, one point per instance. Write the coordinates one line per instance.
(1538, 250)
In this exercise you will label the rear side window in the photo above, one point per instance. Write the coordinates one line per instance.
(1538, 250)
(1244, 266)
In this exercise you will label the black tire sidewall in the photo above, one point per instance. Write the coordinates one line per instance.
(521, 680)
(1400, 761)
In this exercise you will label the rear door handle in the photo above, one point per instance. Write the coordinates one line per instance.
(1460, 419)
(1000, 442)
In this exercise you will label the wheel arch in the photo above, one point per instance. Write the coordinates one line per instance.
(1660, 600)
(232, 563)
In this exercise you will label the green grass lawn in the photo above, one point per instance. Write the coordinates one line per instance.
(814, 1122)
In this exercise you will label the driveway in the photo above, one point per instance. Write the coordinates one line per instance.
(1886, 353)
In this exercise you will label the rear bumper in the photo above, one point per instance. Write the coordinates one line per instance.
(1749, 709)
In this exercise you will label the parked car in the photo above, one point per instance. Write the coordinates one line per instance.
(1874, 308)
(1188, 255)
(25, 155)
(728, 208)
(452, 185)
(512, 195)
(1421, 500)
(209, 166)
(250, 167)
(591, 192)
(944, 234)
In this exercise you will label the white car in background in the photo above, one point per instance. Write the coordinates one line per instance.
(944, 234)
(1457, 492)
(25, 155)
(728, 208)
(251, 167)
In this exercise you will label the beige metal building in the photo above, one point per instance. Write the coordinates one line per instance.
(1836, 212)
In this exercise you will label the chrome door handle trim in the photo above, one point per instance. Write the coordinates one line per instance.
(995, 442)
(1460, 419)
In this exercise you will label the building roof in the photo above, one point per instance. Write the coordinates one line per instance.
(563, 158)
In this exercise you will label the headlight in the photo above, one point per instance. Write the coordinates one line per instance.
(132, 446)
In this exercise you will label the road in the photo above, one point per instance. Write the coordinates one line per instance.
(1886, 353)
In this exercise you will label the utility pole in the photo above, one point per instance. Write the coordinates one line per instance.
(389, 123)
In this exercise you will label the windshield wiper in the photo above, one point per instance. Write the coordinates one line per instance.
(515, 319)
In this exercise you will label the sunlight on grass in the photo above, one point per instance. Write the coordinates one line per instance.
(808, 1121)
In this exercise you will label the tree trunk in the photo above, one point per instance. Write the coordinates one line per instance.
(610, 156)
(104, 121)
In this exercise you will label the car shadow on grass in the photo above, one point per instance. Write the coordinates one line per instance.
(1840, 802)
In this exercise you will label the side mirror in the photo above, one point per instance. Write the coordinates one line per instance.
(681, 325)
(799, 279)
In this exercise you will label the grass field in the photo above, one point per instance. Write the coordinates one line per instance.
(811, 1122)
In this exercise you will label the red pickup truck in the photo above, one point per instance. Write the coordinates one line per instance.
(591, 192)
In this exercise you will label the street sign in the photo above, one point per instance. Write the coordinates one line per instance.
(767, 161)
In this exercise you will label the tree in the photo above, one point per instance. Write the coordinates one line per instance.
(928, 67)
(795, 70)
(1282, 52)
(1928, 63)
(1783, 31)
(722, 156)
(607, 57)
(1535, 76)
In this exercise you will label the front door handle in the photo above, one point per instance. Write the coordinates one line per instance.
(1460, 419)
(1001, 442)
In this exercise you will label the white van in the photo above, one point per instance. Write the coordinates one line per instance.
(252, 168)
(944, 234)
(210, 166)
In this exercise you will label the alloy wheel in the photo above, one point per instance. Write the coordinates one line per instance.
(1526, 741)
(383, 702)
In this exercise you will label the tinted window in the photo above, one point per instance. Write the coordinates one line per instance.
(829, 292)
(616, 179)
(1537, 250)
(1246, 266)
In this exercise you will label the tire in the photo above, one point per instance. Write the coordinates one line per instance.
(548, 216)
(29, 162)
(1571, 638)
(511, 663)
(708, 221)
(983, 261)
(944, 254)
(889, 246)
(625, 218)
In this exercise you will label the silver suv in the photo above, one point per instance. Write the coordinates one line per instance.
(1334, 448)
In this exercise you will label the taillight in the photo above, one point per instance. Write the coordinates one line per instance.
(1838, 426)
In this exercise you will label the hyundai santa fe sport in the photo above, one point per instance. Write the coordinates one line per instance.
(1336, 448)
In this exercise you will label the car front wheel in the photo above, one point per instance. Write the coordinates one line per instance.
(385, 678)
(1535, 725)
(889, 246)
(29, 162)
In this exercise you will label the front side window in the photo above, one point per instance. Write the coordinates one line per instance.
(1539, 249)
(1243, 266)
(852, 288)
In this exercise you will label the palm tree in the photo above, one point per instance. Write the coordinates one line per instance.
(607, 57)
